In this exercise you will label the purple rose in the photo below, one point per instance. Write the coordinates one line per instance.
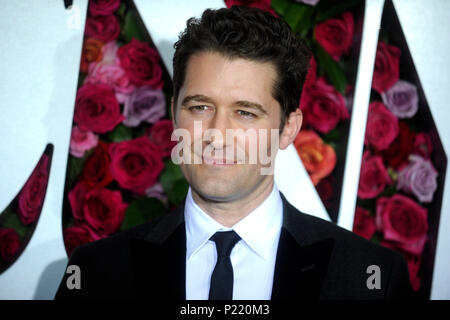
(402, 99)
(419, 178)
(144, 104)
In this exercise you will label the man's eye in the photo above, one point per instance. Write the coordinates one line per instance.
(246, 114)
(198, 108)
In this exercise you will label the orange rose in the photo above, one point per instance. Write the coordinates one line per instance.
(318, 158)
(92, 52)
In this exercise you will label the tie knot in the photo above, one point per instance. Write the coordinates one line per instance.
(225, 241)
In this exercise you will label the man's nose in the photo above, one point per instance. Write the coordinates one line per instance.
(221, 122)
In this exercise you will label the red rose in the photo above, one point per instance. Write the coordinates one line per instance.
(260, 4)
(160, 133)
(318, 158)
(373, 177)
(403, 222)
(381, 128)
(363, 223)
(423, 145)
(323, 106)
(96, 172)
(335, 35)
(102, 210)
(325, 190)
(75, 236)
(141, 64)
(399, 150)
(136, 164)
(103, 28)
(31, 197)
(103, 7)
(386, 69)
(9, 244)
(96, 108)
(76, 200)
(92, 52)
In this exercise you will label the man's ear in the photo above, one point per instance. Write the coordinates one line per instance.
(172, 112)
(291, 128)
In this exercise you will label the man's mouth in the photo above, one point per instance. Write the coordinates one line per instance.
(218, 161)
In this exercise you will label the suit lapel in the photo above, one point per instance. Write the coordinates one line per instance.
(302, 261)
(159, 260)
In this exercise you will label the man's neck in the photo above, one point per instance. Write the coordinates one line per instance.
(231, 212)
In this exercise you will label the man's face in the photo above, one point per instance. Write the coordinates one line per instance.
(223, 93)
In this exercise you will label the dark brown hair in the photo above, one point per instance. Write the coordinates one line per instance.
(247, 33)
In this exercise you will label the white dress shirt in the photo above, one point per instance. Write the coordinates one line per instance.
(253, 257)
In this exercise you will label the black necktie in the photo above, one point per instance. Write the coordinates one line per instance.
(222, 276)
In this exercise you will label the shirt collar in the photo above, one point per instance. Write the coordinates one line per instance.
(258, 229)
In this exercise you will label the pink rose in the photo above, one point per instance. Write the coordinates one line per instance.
(96, 108)
(423, 145)
(335, 35)
(102, 210)
(373, 177)
(136, 164)
(31, 197)
(141, 63)
(103, 7)
(9, 244)
(364, 223)
(310, 79)
(103, 28)
(387, 67)
(381, 128)
(144, 104)
(323, 106)
(403, 222)
(76, 236)
(161, 133)
(81, 141)
(109, 52)
(156, 191)
(112, 75)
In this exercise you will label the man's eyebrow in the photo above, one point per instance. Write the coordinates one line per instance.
(196, 97)
(248, 104)
(240, 103)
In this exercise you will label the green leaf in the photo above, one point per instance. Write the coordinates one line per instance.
(11, 220)
(170, 174)
(121, 11)
(280, 6)
(377, 237)
(142, 210)
(76, 166)
(333, 135)
(327, 10)
(120, 133)
(299, 17)
(131, 28)
(333, 70)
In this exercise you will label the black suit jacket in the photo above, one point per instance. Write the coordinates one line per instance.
(315, 260)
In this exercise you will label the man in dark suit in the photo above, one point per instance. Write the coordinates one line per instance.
(236, 236)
